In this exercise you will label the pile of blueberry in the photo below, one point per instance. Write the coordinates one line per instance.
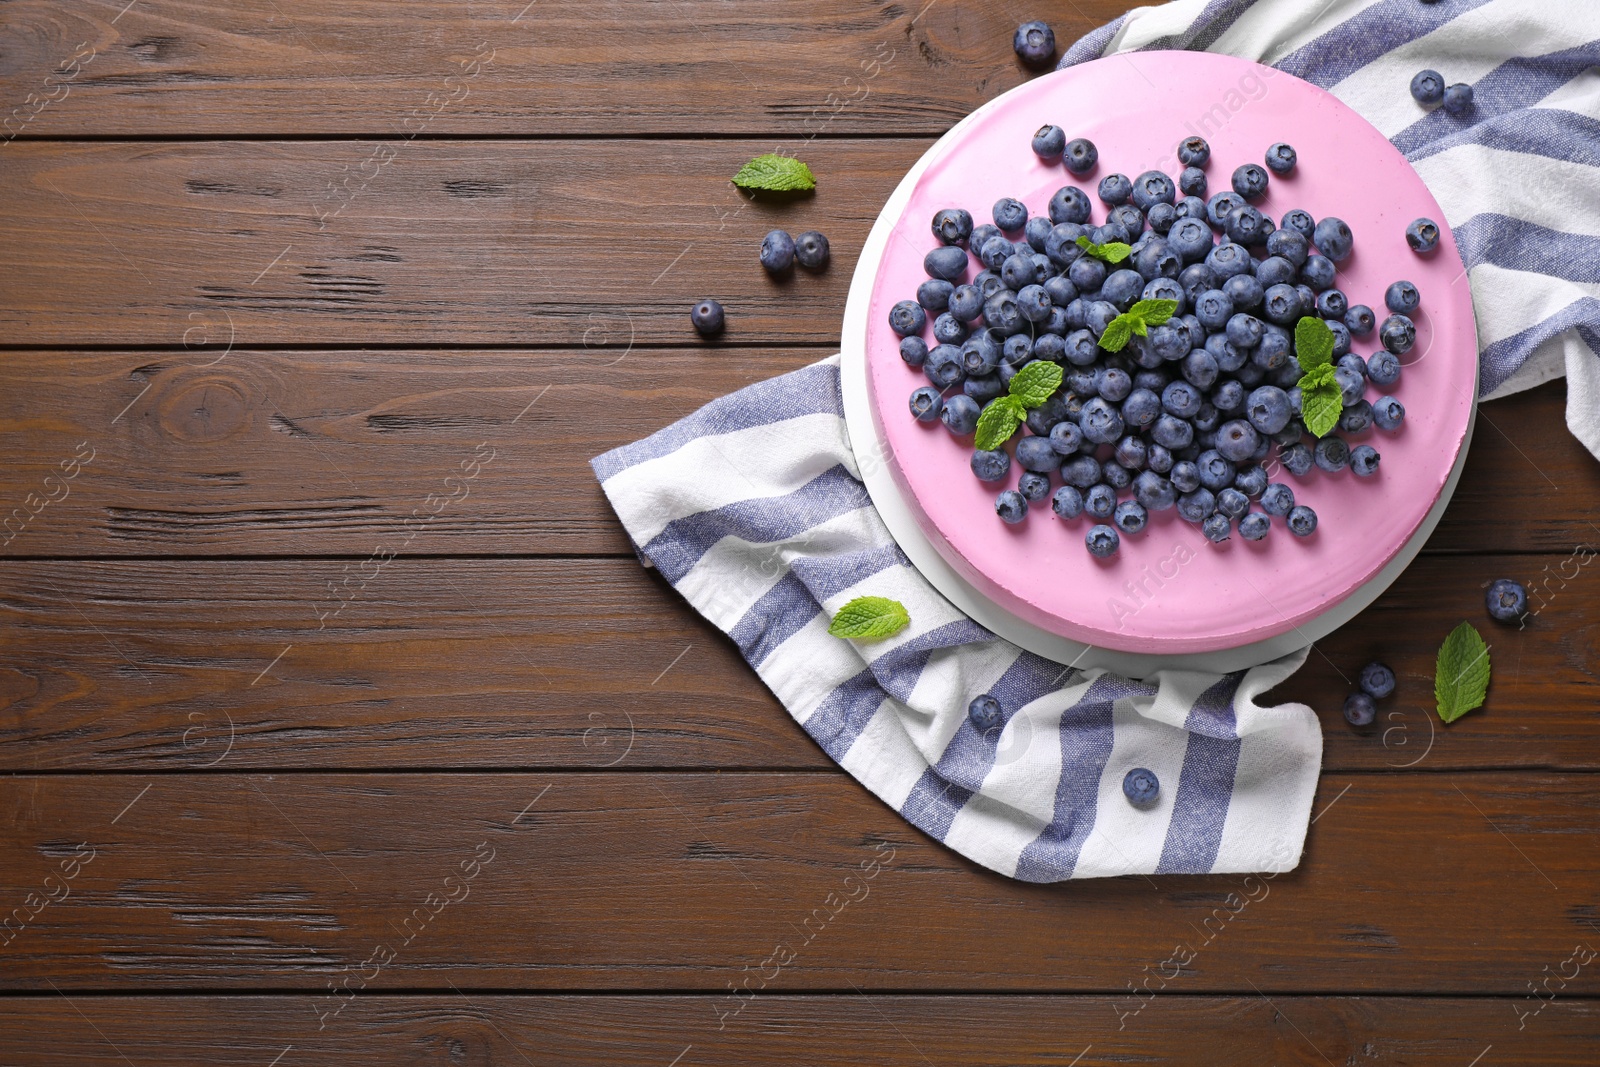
(1428, 88)
(1377, 682)
(1187, 414)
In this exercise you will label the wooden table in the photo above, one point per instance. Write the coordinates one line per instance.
(341, 726)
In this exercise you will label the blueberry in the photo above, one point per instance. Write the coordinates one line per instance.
(1229, 259)
(981, 234)
(1332, 304)
(1200, 368)
(1152, 188)
(985, 713)
(1157, 458)
(811, 249)
(1254, 526)
(1232, 503)
(1214, 309)
(1080, 157)
(1113, 383)
(1060, 290)
(1273, 350)
(1228, 396)
(934, 294)
(1402, 298)
(1302, 521)
(1427, 87)
(966, 302)
(1281, 158)
(1081, 471)
(1154, 492)
(1087, 274)
(1139, 785)
(1288, 245)
(1356, 417)
(1190, 207)
(1333, 239)
(1221, 205)
(907, 318)
(777, 252)
(1034, 42)
(1192, 182)
(1251, 481)
(1297, 460)
(1216, 528)
(1018, 272)
(1102, 541)
(1364, 460)
(1122, 288)
(1388, 413)
(1360, 320)
(1278, 499)
(1250, 182)
(1116, 476)
(1237, 440)
(991, 466)
(949, 330)
(1300, 222)
(1011, 506)
(1506, 599)
(1185, 476)
(1035, 454)
(1100, 501)
(1341, 337)
(926, 403)
(914, 350)
(1332, 454)
(1245, 225)
(707, 317)
(1246, 293)
(1195, 506)
(943, 366)
(1051, 346)
(1010, 215)
(1377, 680)
(1398, 334)
(960, 414)
(1423, 236)
(1359, 709)
(1172, 432)
(1161, 218)
(1001, 312)
(1100, 315)
(1115, 189)
(1156, 261)
(988, 283)
(985, 387)
(947, 262)
(1067, 502)
(1141, 409)
(1036, 232)
(1383, 368)
(952, 225)
(1318, 272)
(1190, 240)
(980, 354)
(1130, 517)
(1049, 142)
(1458, 99)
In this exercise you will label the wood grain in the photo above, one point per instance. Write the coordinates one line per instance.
(1422, 883)
(221, 451)
(161, 666)
(895, 1031)
(358, 67)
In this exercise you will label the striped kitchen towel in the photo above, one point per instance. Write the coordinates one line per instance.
(1518, 176)
(752, 508)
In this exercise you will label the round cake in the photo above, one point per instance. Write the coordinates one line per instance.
(1167, 589)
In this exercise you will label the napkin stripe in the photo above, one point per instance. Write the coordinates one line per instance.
(1209, 763)
(1368, 36)
(1517, 244)
(1550, 132)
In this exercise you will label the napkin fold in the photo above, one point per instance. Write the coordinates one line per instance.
(1518, 176)
(754, 510)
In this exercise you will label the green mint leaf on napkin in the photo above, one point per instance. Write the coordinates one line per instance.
(1036, 382)
(1153, 312)
(1313, 344)
(1461, 677)
(773, 173)
(999, 421)
(1110, 252)
(1321, 402)
(870, 618)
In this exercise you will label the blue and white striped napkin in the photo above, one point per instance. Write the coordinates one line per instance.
(753, 510)
(1518, 177)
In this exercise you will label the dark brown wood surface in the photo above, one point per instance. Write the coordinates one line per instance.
(274, 270)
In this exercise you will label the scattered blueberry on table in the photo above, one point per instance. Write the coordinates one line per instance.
(1377, 680)
(1507, 600)
(1458, 99)
(1185, 342)
(707, 317)
(1427, 87)
(1034, 43)
(985, 713)
(1359, 709)
(777, 252)
(811, 249)
(1141, 787)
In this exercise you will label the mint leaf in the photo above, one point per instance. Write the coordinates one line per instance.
(998, 422)
(1313, 344)
(1035, 383)
(1110, 252)
(1461, 676)
(773, 173)
(870, 618)
(1118, 333)
(1321, 402)
(1153, 312)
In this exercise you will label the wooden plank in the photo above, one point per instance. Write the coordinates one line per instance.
(249, 452)
(844, 1030)
(442, 663)
(1423, 883)
(455, 242)
(502, 67)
